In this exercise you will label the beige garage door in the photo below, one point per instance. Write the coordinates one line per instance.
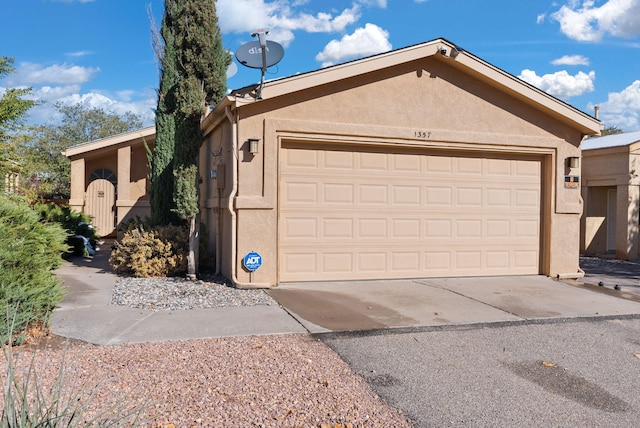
(368, 214)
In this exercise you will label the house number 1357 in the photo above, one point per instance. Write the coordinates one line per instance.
(423, 134)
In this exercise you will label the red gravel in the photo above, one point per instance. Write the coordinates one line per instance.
(260, 381)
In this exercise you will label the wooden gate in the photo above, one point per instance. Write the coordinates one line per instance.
(100, 205)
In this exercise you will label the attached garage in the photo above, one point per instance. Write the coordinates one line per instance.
(360, 213)
(421, 162)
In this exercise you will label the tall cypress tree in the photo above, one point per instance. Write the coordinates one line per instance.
(200, 63)
(161, 163)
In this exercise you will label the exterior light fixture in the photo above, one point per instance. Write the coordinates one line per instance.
(573, 162)
(254, 146)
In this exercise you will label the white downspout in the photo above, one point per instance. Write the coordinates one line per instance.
(233, 118)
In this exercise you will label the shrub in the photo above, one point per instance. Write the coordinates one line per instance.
(146, 251)
(30, 251)
(158, 252)
(76, 224)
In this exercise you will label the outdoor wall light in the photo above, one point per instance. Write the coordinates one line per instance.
(254, 146)
(573, 162)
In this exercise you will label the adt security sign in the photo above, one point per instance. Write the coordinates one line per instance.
(252, 261)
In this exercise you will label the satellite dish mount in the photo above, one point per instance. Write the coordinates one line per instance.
(262, 39)
(261, 54)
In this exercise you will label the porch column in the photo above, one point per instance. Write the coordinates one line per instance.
(123, 196)
(78, 184)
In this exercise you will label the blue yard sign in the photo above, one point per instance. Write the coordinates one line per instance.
(252, 261)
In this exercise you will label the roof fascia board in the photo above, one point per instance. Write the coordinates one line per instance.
(216, 116)
(604, 151)
(323, 76)
(115, 140)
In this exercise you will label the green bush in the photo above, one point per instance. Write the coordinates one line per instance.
(30, 251)
(158, 252)
(75, 223)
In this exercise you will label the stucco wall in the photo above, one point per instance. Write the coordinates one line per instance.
(420, 104)
(216, 160)
(594, 227)
(605, 169)
(128, 161)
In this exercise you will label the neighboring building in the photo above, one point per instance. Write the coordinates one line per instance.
(425, 161)
(11, 171)
(611, 194)
(109, 179)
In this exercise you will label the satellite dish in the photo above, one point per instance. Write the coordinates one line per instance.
(232, 70)
(261, 54)
(250, 54)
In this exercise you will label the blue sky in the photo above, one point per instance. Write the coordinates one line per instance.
(99, 52)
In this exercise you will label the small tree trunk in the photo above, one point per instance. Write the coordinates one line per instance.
(194, 247)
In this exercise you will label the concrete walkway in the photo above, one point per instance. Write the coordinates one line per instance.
(87, 314)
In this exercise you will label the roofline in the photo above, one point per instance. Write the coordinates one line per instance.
(443, 50)
(621, 148)
(114, 140)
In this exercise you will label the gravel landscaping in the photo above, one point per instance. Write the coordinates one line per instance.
(180, 294)
(257, 381)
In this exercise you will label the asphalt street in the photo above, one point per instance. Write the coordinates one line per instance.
(568, 374)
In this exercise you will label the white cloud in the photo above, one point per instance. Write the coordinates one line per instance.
(30, 74)
(571, 60)
(51, 94)
(143, 107)
(584, 21)
(141, 104)
(320, 23)
(622, 109)
(78, 54)
(246, 16)
(365, 41)
(540, 18)
(380, 3)
(561, 84)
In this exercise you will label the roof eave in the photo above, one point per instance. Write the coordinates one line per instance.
(125, 138)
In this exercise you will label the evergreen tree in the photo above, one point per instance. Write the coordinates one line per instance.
(611, 130)
(161, 161)
(13, 109)
(197, 62)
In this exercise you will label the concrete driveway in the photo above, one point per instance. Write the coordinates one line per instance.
(371, 305)
(498, 351)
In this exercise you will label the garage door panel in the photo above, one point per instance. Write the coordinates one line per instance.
(368, 215)
(361, 263)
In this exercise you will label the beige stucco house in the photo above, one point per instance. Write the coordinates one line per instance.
(109, 178)
(421, 162)
(611, 194)
(425, 161)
